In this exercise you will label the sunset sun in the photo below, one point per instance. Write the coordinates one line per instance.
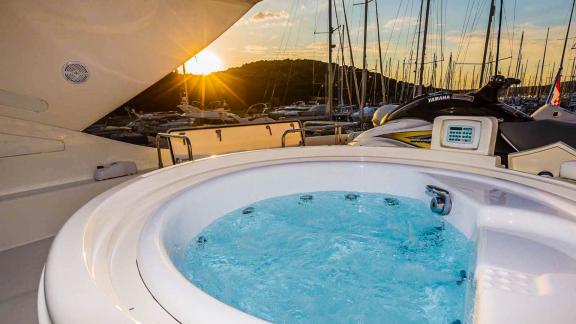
(204, 63)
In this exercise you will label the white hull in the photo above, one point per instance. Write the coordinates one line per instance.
(554, 113)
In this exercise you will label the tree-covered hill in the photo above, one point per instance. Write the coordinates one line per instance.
(277, 82)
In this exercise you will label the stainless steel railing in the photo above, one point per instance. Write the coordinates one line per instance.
(166, 136)
(323, 125)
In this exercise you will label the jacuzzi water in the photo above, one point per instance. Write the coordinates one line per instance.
(334, 257)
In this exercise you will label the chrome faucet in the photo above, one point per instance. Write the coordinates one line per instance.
(441, 202)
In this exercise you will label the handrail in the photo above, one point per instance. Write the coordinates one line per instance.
(159, 136)
(283, 121)
(337, 126)
(302, 131)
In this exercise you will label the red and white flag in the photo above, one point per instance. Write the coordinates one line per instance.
(554, 96)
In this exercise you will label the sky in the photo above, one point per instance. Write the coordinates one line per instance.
(278, 29)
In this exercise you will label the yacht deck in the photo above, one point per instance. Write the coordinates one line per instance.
(20, 270)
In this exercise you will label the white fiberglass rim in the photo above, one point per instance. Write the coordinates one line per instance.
(94, 256)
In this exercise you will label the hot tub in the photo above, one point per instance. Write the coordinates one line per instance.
(115, 256)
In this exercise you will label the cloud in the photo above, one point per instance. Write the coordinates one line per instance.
(269, 15)
(400, 22)
(266, 19)
(255, 49)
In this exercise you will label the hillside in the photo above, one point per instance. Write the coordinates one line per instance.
(278, 82)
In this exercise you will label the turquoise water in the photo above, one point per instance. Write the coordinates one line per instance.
(334, 257)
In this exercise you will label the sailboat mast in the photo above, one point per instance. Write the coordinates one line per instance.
(380, 52)
(518, 62)
(375, 82)
(498, 44)
(524, 73)
(551, 99)
(389, 72)
(566, 38)
(185, 84)
(341, 80)
(433, 78)
(542, 66)
(519, 56)
(473, 77)
(348, 89)
(418, 48)
(400, 99)
(396, 79)
(364, 71)
(489, 28)
(571, 75)
(342, 60)
(351, 53)
(329, 84)
(536, 84)
(460, 78)
(421, 81)
(408, 74)
(449, 74)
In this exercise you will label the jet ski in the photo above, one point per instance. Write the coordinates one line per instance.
(483, 102)
(381, 112)
(410, 125)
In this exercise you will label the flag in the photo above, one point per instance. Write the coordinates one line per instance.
(554, 96)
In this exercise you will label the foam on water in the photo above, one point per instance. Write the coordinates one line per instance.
(328, 257)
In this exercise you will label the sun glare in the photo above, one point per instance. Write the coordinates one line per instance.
(204, 63)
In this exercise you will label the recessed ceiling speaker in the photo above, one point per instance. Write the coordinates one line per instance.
(75, 72)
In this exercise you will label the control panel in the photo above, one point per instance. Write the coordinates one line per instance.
(465, 133)
(462, 134)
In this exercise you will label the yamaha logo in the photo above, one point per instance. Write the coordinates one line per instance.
(439, 98)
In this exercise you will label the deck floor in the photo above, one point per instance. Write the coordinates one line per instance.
(20, 270)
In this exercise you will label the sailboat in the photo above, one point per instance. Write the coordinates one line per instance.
(552, 110)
